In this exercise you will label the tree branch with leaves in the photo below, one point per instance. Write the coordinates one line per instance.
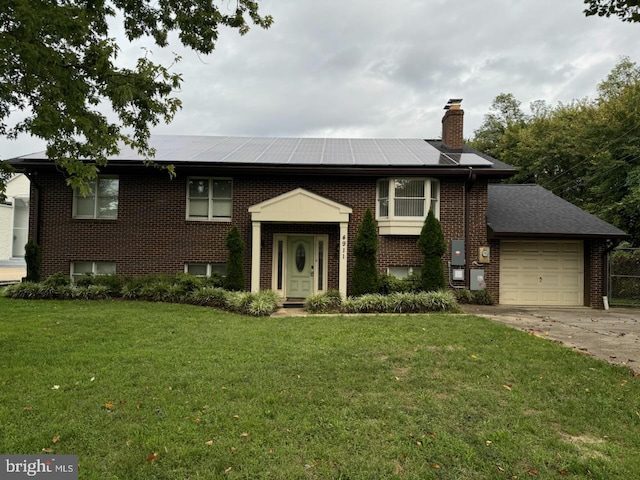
(59, 72)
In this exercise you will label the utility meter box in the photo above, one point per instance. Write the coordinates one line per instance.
(477, 281)
(457, 274)
(457, 253)
(484, 255)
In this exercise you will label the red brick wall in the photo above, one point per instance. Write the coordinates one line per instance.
(452, 128)
(595, 272)
(151, 233)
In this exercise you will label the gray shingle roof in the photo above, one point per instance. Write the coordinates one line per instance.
(532, 211)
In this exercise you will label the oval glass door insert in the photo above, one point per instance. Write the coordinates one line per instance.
(301, 257)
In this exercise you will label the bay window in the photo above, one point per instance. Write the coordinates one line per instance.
(403, 204)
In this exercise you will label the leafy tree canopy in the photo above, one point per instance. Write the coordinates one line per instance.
(626, 10)
(58, 70)
(586, 151)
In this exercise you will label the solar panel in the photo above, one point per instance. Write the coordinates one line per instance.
(300, 151)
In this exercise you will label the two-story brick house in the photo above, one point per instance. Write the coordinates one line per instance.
(298, 203)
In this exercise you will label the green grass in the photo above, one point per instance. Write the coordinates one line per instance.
(362, 397)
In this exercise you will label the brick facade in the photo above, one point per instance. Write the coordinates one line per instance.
(151, 233)
(595, 272)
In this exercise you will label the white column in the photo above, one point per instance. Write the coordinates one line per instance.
(344, 247)
(255, 256)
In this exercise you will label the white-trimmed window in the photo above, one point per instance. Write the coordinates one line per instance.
(80, 269)
(402, 204)
(408, 198)
(209, 198)
(206, 269)
(100, 202)
(402, 272)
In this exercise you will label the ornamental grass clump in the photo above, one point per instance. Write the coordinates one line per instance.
(208, 297)
(180, 288)
(330, 301)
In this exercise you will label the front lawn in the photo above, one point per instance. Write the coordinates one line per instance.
(163, 391)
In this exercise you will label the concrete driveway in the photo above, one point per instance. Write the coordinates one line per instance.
(611, 335)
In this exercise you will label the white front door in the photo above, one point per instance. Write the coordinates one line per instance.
(300, 266)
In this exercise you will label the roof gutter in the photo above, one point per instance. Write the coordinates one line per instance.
(280, 169)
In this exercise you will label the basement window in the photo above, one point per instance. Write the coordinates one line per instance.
(206, 269)
(80, 269)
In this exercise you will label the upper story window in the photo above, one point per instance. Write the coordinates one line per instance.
(101, 202)
(209, 199)
(407, 198)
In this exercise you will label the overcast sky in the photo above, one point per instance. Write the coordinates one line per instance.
(374, 68)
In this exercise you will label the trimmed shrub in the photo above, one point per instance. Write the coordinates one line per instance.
(390, 284)
(365, 270)
(433, 246)
(34, 261)
(482, 297)
(58, 279)
(234, 279)
(463, 295)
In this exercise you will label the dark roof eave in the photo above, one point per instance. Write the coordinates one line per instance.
(351, 170)
(493, 235)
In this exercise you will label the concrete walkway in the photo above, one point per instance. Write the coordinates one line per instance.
(12, 270)
(610, 335)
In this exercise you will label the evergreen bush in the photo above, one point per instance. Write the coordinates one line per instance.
(433, 246)
(34, 261)
(365, 271)
(234, 279)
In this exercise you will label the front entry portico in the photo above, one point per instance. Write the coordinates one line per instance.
(299, 267)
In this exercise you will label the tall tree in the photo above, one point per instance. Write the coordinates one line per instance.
(58, 69)
(626, 10)
(586, 151)
(505, 114)
(365, 277)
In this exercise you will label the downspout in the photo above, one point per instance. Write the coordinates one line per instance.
(35, 210)
(465, 204)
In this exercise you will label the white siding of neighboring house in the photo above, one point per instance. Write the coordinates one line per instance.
(17, 192)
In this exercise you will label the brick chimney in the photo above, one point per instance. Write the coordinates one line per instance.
(452, 123)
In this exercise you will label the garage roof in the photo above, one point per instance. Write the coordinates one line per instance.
(532, 211)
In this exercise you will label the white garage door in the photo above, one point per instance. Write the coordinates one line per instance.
(541, 272)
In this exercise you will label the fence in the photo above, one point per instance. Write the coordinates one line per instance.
(624, 277)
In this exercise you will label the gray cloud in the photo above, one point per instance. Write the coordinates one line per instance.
(373, 68)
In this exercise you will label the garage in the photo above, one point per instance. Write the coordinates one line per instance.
(549, 252)
(542, 272)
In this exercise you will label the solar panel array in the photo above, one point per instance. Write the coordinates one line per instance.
(363, 152)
